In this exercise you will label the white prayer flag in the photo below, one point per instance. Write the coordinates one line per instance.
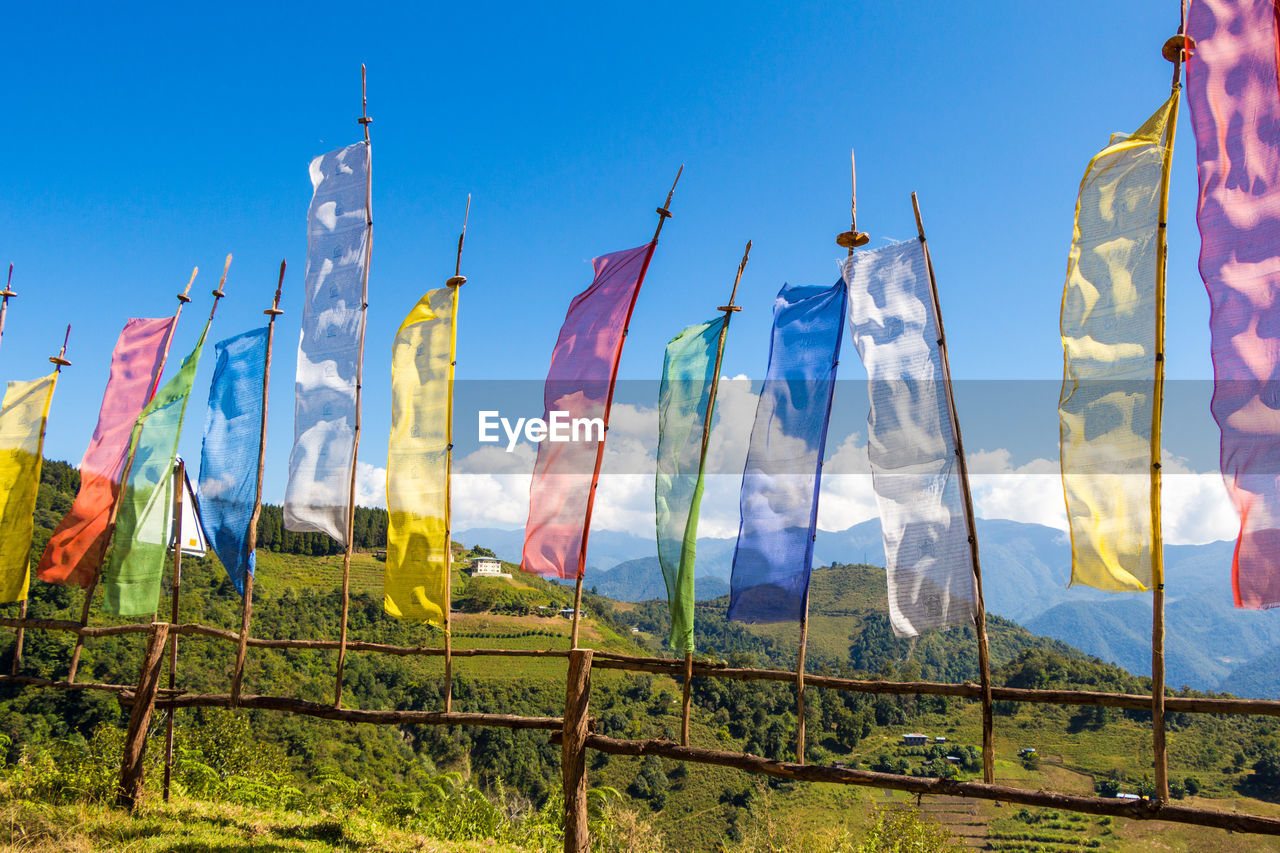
(911, 442)
(339, 228)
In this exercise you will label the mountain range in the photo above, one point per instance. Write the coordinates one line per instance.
(1209, 644)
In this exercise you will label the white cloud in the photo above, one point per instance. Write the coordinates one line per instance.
(1194, 505)
(847, 496)
(1031, 492)
(371, 485)
(491, 486)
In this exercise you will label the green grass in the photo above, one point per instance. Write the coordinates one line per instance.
(198, 826)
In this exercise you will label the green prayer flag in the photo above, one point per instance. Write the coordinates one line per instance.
(135, 563)
(688, 372)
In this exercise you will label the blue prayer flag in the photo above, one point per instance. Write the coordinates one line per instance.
(229, 459)
(783, 472)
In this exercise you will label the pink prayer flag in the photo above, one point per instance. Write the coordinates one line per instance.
(75, 550)
(1234, 95)
(584, 365)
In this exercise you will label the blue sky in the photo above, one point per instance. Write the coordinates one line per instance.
(144, 142)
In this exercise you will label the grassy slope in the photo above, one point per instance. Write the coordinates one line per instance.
(694, 814)
(196, 826)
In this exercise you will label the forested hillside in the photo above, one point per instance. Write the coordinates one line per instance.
(297, 596)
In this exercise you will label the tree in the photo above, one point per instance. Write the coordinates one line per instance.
(1265, 778)
(651, 783)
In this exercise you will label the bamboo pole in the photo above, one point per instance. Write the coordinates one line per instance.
(59, 361)
(355, 438)
(183, 299)
(980, 609)
(800, 697)
(179, 486)
(1158, 739)
(848, 240)
(729, 310)
(454, 284)
(664, 213)
(251, 542)
(133, 766)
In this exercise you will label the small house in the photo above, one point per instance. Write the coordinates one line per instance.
(488, 567)
(1026, 751)
(914, 739)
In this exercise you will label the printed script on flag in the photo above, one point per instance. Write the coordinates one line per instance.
(584, 365)
(339, 231)
(417, 571)
(779, 500)
(1235, 110)
(76, 549)
(144, 522)
(229, 456)
(1110, 340)
(23, 416)
(683, 402)
(911, 442)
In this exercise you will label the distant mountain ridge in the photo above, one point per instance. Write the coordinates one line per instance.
(1210, 645)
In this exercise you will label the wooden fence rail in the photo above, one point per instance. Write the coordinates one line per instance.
(574, 731)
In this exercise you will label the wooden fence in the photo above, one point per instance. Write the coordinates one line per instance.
(575, 732)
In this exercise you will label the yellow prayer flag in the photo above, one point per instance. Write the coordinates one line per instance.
(22, 418)
(416, 578)
(1112, 333)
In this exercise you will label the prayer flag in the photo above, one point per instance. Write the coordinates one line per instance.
(584, 365)
(1235, 111)
(911, 442)
(23, 415)
(330, 349)
(1111, 334)
(144, 523)
(779, 501)
(417, 575)
(229, 456)
(76, 549)
(684, 408)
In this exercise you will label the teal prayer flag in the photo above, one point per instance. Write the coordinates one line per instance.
(684, 401)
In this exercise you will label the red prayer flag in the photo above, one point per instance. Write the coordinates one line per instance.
(76, 548)
(584, 365)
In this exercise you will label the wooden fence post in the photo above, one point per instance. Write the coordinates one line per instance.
(132, 767)
(573, 752)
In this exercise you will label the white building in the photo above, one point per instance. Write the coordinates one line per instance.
(488, 567)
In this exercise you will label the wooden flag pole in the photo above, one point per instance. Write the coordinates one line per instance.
(179, 490)
(251, 541)
(453, 284)
(4, 305)
(729, 310)
(59, 361)
(179, 486)
(980, 611)
(183, 298)
(1179, 46)
(664, 213)
(355, 438)
(848, 239)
